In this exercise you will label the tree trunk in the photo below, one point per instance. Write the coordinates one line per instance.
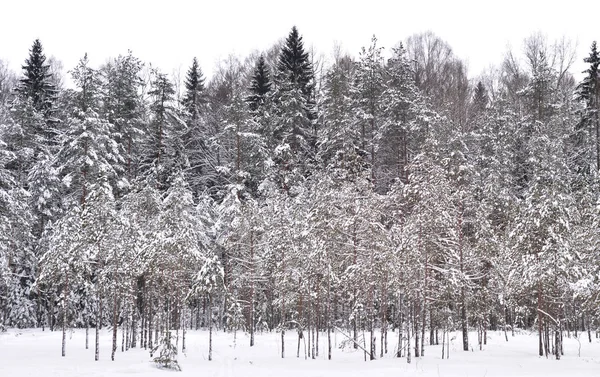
(252, 325)
(210, 328)
(299, 331)
(416, 332)
(98, 326)
(183, 328)
(125, 332)
(463, 310)
(408, 317)
(133, 325)
(400, 324)
(64, 322)
(557, 342)
(115, 327)
(282, 342)
(328, 317)
(443, 342)
(540, 322)
(150, 328)
(424, 305)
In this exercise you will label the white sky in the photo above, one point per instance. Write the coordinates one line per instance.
(169, 33)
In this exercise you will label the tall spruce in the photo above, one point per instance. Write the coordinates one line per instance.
(36, 85)
(194, 90)
(294, 133)
(589, 93)
(294, 63)
(294, 67)
(194, 139)
(260, 85)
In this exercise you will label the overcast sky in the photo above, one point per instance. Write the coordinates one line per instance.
(169, 33)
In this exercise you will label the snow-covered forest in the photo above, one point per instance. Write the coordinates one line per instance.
(386, 193)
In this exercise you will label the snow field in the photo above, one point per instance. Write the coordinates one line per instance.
(35, 353)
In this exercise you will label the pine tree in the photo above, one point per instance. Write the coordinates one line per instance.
(405, 116)
(36, 84)
(163, 124)
(367, 93)
(89, 83)
(340, 140)
(123, 108)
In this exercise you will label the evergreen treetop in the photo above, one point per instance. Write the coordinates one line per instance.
(589, 89)
(194, 86)
(294, 64)
(36, 84)
(480, 97)
(260, 85)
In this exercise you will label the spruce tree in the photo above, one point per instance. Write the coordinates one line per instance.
(36, 84)
(260, 85)
(294, 64)
(295, 68)
(293, 132)
(589, 93)
(194, 86)
(480, 97)
(194, 139)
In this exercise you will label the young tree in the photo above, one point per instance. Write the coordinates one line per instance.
(367, 92)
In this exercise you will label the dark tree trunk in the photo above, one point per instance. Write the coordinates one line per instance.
(64, 321)
(98, 326)
(210, 328)
(115, 327)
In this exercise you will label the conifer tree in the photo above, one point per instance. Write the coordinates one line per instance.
(480, 97)
(194, 138)
(294, 64)
(367, 93)
(294, 121)
(88, 150)
(589, 93)
(36, 84)
(294, 71)
(162, 92)
(260, 85)
(340, 139)
(194, 90)
(123, 108)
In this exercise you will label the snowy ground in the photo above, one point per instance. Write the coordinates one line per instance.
(37, 353)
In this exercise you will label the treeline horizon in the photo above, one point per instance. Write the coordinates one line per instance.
(283, 193)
